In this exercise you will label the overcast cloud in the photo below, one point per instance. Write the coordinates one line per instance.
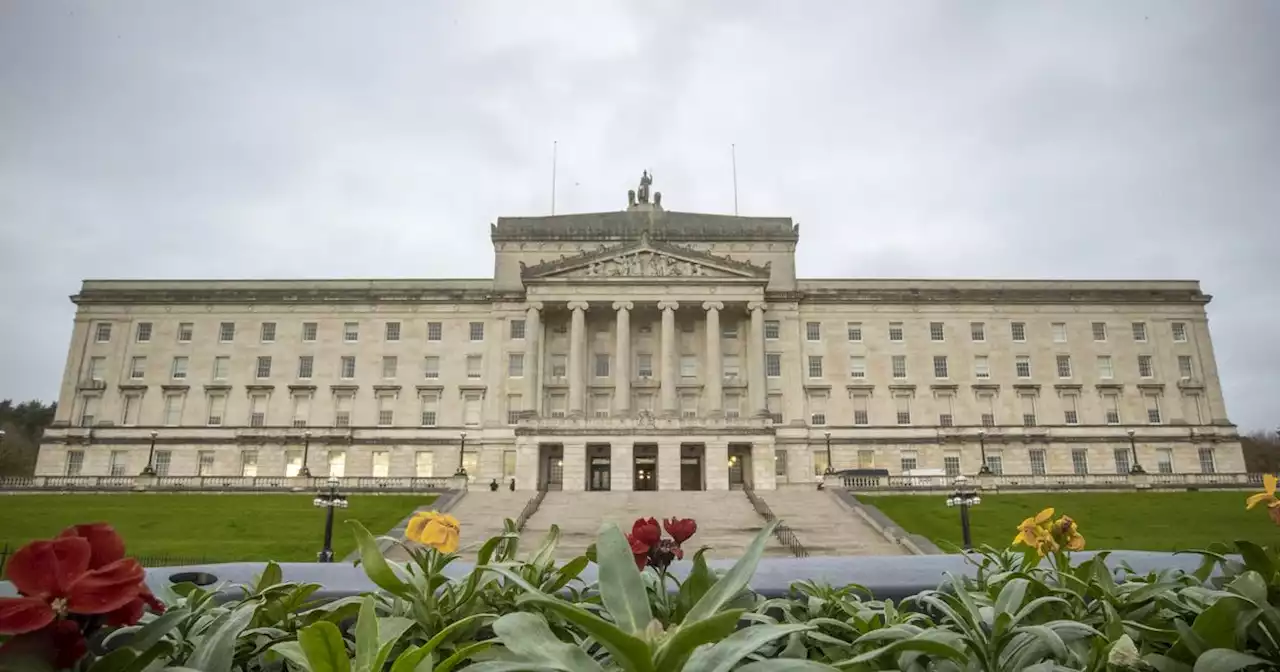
(333, 139)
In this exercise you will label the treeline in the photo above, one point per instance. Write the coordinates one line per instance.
(1261, 452)
(23, 425)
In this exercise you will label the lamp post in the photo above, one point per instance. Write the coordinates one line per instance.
(964, 497)
(982, 446)
(305, 471)
(150, 470)
(329, 501)
(830, 469)
(1133, 450)
(462, 446)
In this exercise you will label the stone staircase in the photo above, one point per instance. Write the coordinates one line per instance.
(824, 525)
(726, 520)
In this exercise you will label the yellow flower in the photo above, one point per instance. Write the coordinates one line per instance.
(1066, 532)
(1032, 531)
(437, 530)
(1268, 495)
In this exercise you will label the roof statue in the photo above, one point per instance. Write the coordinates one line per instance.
(643, 194)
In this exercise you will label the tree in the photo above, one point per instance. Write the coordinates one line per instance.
(23, 426)
(1261, 452)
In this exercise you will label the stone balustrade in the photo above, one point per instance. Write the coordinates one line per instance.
(870, 483)
(226, 483)
(644, 424)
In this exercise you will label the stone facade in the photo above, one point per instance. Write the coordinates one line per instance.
(639, 349)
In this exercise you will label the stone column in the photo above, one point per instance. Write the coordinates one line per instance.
(574, 471)
(763, 466)
(577, 351)
(622, 365)
(668, 364)
(755, 365)
(717, 465)
(621, 460)
(669, 465)
(715, 376)
(532, 356)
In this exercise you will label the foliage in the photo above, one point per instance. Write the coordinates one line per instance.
(23, 425)
(1261, 452)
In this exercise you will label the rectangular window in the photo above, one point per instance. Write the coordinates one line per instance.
(1070, 409)
(226, 332)
(895, 332)
(342, 410)
(137, 367)
(780, 463)
(1080, 461)
(386, 410)
(1144, 366)
(96, 365)
(1018, 330)
(866, 459)
(515, 365)
(908, 461)
(903, 405)
(389, 365)
(1164, 460)
(644, 365)
(1111, 408)
(517, 330)
(602, 365)
(813, 331)
(820, 463)
(1064, 366)
(687, 327)
(179, 371)
(861, 416)
(119, 463)
(217, 409)
(1185, 371)
(1022, 366)
(347, 367)
(471, 410)
(818, 410)
(103, 332)
(730, 368)
(163, 458)
(945, 420)
(556, 402)
(951, 463)
(815, 366)
(430, 407)
(185, 330)
(515, 406)
(729, 330)
(855, 332)
(771, 330)
(301, 409)
(351, 332)
(249, 463)
(940, 366)
(475, 365)
(1179, 331)
(996, 464)
(132, 407)
(75, 462)
(1028, 403)
(1153, 409)
(688, 366)
(306, 365)
(560, 363)
(936, 332)
(268, 332)
(258, 410)
(899, 366)
(857, 366)
(144, 332)
(1140, 332)
(205, 467)
(381, 464)
(263, 369)
(90, 411)
(773, 403)
(981, 367)
(392, 332)
(435, 331)
(424, 464)
(337, 463)
(292, 463)
(476, 331)
(977, 332)
(172, 410)
(309, 332)
(1036, 456)
(1207, 464)
(773, 365)
(431, 367)
(1105, 370)
(1059, 332)
(1121, 456)
(1100, 332)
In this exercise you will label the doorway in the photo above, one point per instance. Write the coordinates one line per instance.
(691, 475)
(598, 467)
(739, 467)
(645, 468)
(550, 467)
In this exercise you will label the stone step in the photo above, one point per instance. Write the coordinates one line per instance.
(824, 525)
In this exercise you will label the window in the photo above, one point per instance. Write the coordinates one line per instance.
(1018, 330)
(1028, 403)
(644, 365)
(431, 367)
(306, 363)
(1122, 460)
(137, 367)
(268, 332)
(773, 364)
(1100, 332)
(820, 463)
(687, 327)
(96, 364)
(424, 464)
(1207, 465)
(1080, 461)
(249, 463)
(995, 462)
(301, 409)
(184, 332)
(1064, 366)
(75, 462)
(205, 467)
(940, 366)
(1153, 409)
(773, 403)
(899, 366)
(351, 332)
(1111, 408)
(936, 332)
(855, 332)
(945, 420)
(1144, 366)
(292, 463)
(517, 330)
(729, 330)
(780, 462)
(89, 412)
(119, 462)
(860, 414)
(103, 332)
(435, 331)
(381, 463)
(978, 332)
(729, 367)
(347, 367)
(217, 409)
(172, 410)
(1022, 366)
(515, 365)
(309, 330)
(857, 366)
(1036, 456)
(430, 408)
(179, 371)
(818, 419)
(258, 410)
(981, 367)
(1164, 460)
(1179, 331)
(1059, 332)
(1184, 367)
(337, 463)
(602, 365)
(771, 329)
(813, 331)
(476, 331)
(342, 410)
(815, 366)
(226, 332)
(908, 461)
(163, 458)
(474, 366)
(1140, 332)
(559, 363)
(389, 365)
(688, 366)
(895, 332)
(951, 463)
(132, 407)
(515, 406)
(1070, 409)
(386, 410)
(263, 370)
(1105, 370)
(144, 332)
(903, 405)
(392, 332)
(866, 459)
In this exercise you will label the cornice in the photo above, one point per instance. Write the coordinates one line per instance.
(1001, 296)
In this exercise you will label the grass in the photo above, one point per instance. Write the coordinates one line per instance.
(1147, 521)
(216, 528)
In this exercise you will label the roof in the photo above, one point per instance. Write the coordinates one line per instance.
(659, 224)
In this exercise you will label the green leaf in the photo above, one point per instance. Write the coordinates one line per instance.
(1165, 663)
(366, 636)
(271, 575)
(434, 643)
(1255, 558)
(696, 584)
(734, 580)
(547, 549)
(568, 572)
(528, 637)
(1226, 660)
(216, 650)
(390, 630)
(413, 659)
(786, 665)
(147, 635)
(1216, 625)
(935, 647)
(115, 661)
(725, 655)
(1252, 586)
(463, 653)
(326, 651)
(1052, 640)
(375, 565)
(621, 586)
(292, 652)
(681, 643)
(1011, 596)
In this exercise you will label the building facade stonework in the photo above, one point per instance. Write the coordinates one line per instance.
(639, 349)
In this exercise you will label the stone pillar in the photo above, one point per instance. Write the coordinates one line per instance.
(532, 356)
(755, 364)
(621, 461)
(763, 466)
(668, 465)
(577, 351)
(715, 376)
(622, 366)
(574, 472)
(716, 465)
(526, 464)
(668, 367)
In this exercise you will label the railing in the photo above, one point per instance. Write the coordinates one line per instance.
(530, 508)
(1157, 481)
(221, 483)
(783, 532)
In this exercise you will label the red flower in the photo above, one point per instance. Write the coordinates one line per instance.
(639, 551)
(646, 531)
(54, 579)
(60, 644)
(680, 529)
(105, 545)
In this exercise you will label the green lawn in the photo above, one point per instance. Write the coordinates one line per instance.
(217, 528)
(1149, 521)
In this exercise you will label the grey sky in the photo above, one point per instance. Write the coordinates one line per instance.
(333, 139)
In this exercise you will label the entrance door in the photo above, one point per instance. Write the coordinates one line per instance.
(598, 479)
(691, 473)
(554, 467)
(646, 473)
(736, 479)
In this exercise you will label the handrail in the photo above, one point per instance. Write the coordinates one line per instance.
(783, 532)
(530, 508)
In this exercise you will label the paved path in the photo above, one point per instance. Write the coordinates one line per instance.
(825, 525)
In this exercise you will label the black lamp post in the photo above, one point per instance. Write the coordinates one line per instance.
(964, 497)
(305, 471)
(830, 469)
(329, 501)
(982, 446)
(462, 446)
(1133, 450)
(150, 470)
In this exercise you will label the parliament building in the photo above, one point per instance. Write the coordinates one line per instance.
(639, 349)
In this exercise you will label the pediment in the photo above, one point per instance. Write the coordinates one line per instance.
(645, 259)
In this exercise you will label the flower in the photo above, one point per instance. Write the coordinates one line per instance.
(1048, 536)
(54, 579)
(646, 531)
(1267, 496)
(650, 549)
(440, 531)
(680, 529)
(640, 551)
(106, 546)
(1067, 534)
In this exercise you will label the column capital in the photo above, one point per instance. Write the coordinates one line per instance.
(668, 305)
(577, 305)
(754, 305)
(534, 305)
(623, 305)
(713, 305)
